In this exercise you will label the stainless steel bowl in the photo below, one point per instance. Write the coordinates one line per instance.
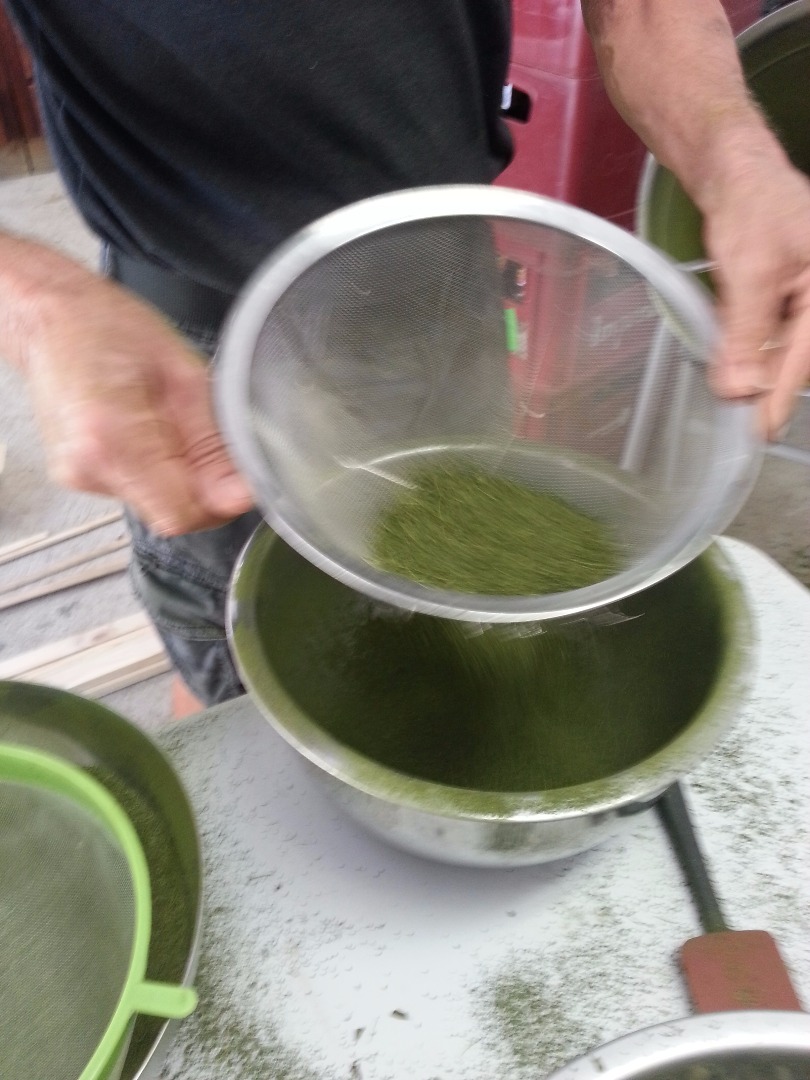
(728, 1045)
(91, 736)
(280, 604)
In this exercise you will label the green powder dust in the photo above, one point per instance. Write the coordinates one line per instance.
(465, 530)
(227, 1033)
(530, 1021)
(172, 926)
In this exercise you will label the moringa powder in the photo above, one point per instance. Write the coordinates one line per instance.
(491, 709)
(466, 530)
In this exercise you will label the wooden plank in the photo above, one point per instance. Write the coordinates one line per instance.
(113, 565)
(64, 564)
(97, 662)
(19, 548)
(107, 677)
(122, 679)
(10, 549)
(17, 666)
(121, 654)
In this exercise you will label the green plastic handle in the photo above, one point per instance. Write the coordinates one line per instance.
(512, 330)
(163, 1000)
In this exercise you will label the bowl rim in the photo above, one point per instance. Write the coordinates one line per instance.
(675, 1042)
(630, 789)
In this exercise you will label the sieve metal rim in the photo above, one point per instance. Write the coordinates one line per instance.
(282, 268)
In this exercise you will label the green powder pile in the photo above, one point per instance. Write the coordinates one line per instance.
(463, 529)
(532, 1022)
(172, 927)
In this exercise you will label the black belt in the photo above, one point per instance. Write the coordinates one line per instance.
(188, 303)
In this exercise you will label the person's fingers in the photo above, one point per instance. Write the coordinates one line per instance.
(155, 482)
(115, 442)
(123, 405)
(794, 373)
(750, 322)
(216, 482)
(109, 433)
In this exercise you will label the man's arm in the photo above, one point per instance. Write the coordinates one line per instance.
(122, 402)
(673, 71)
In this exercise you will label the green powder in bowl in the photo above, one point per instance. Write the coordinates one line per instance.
(466, 530)
(529, 708)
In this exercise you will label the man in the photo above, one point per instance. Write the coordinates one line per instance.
(196, 136)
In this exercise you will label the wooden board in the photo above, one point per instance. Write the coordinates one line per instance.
(54, 568)
(95, 662)
(27, 546)
(114, 565)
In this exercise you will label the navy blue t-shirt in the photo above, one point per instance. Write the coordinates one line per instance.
(201, 133)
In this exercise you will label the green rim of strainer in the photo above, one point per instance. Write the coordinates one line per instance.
(138, 994)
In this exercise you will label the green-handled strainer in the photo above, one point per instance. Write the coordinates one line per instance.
(75, 923)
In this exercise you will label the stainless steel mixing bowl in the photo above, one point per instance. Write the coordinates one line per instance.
(294, 632)
(727, 1046)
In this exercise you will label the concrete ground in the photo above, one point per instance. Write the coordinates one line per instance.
(775, 519)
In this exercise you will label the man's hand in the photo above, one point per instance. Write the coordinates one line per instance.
(757, 231)
(673, 71)
(124, 406)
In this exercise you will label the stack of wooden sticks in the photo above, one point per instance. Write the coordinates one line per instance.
(97, 661)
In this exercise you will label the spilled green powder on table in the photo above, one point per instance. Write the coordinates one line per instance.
(531, 1023)
(232, 1033)
(463, 529)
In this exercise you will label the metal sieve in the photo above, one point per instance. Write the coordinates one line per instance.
(74, 932)
(487, 327)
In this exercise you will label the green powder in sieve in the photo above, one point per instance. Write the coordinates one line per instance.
(463, 529)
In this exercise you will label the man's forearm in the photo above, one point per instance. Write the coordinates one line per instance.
(34, 281)
(672, 71)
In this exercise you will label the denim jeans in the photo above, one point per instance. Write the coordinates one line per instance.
(183, 581)
(454, 374)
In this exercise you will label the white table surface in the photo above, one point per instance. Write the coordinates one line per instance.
(328, 954)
